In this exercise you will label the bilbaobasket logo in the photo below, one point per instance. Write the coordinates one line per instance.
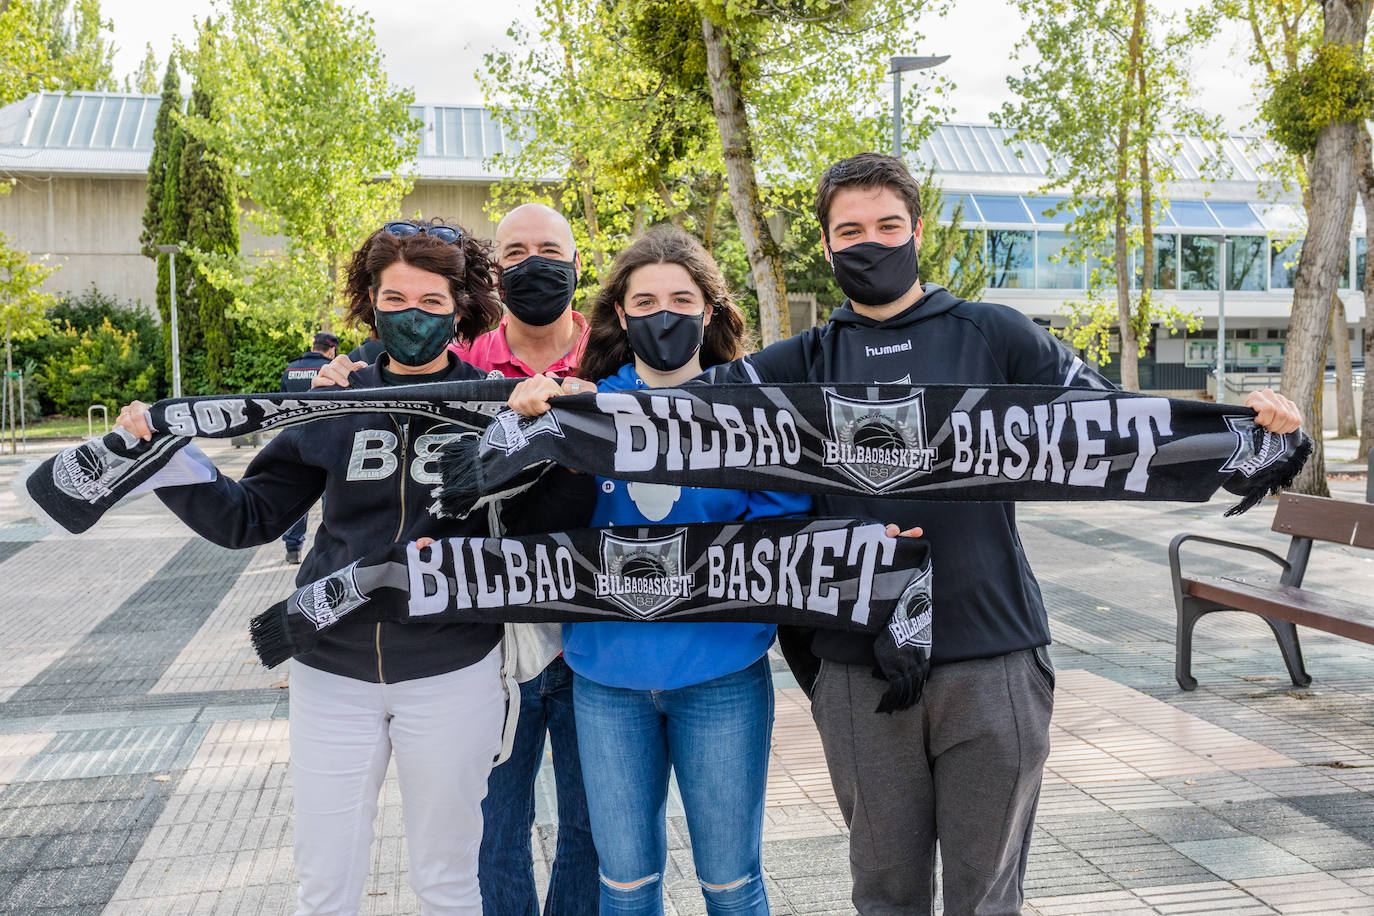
(1249, 458)
(880, 444)
(511, 432)
(645, 576)
(325, 600)
(88, 471)
(912, 621)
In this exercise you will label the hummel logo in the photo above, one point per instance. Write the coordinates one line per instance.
(888, 350)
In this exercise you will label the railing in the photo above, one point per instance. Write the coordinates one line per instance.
(90, 419)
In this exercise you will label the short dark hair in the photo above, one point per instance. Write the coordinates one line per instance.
(466, 265)
(324, 341)
(867, 170)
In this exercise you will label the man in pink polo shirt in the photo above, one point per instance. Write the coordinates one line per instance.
(541, 332)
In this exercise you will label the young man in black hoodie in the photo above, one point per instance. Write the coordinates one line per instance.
(964, 764)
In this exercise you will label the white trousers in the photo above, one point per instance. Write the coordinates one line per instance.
(445, 731)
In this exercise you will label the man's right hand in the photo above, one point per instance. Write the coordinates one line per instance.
(336, 373)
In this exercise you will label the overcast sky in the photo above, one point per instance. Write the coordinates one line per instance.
(435, 46)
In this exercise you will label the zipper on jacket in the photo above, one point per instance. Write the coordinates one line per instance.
(401, 471)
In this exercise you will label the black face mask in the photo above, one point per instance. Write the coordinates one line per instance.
(539, 289)
(414, 337)
(871, 273)
(665, 340)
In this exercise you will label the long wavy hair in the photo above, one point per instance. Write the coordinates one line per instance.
(608, 346)
(467, 266)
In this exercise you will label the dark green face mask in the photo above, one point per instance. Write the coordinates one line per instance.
(414, 337)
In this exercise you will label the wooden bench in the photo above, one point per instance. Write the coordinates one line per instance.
(1282, 603)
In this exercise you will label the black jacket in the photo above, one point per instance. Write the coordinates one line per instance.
(301, 370)
(377, 472)
(986, 599)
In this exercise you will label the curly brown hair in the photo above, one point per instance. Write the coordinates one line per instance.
(467, 266)
(608, 346)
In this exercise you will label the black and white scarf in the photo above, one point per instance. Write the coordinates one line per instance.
(995, 442)
(829, 573)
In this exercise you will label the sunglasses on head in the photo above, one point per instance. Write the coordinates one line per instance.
(442, 233)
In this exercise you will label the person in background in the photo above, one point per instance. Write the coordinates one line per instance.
(297, 377)
(694, 699)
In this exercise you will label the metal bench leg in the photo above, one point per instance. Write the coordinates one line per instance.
(1287, 635)
(1189, 610)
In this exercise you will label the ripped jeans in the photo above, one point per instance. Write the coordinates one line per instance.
(716, 737)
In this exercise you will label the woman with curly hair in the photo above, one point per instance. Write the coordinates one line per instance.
(429, 693)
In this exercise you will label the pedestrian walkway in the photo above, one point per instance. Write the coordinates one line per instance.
(143, 750)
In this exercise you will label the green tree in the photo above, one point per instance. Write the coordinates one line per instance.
(305, 116)
(144, 79)
(78, 44)
(207, 189)
(1318, 93)
(631, 100)
(951, 256)
(1109, 96)
(22, 303)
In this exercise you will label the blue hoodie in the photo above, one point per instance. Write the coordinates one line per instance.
(664, 656)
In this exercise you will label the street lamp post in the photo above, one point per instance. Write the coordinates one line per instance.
(1221, 320)
(171, 251)
(900, 65)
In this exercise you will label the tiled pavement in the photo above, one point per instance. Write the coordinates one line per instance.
(143, 753)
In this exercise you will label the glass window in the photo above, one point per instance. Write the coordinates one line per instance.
(1191, 213)
(450, 139)
(146, 125)
(1245, 267)
(62, 123)
(472, 133)
(1198, 262)
(1012, 258)
(1345, 269)
(1236, 215)
(1059, 274)
(951, 202)
(87, 113)
(1283, 264)
(996, 209)
(106, 123)
(973, 240)
(1040, 205)
(1359, 263)
(491, 134)
(127, 131)
(1166, 263)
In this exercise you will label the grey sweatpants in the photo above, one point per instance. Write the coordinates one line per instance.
(962, 766)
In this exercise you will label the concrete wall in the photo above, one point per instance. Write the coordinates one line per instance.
(90, 226)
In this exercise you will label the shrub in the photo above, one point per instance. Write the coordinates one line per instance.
(102, 365)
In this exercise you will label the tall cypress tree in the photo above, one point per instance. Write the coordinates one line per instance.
(157, 163)
(208, 189)
(164, 215)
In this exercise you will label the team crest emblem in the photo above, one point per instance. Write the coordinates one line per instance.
(1250, 458)
(911, 623)
(511, 432)
(645, 576)
(880, 444)
(89, 471)
(324, 601)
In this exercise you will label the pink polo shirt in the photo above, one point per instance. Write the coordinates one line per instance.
(490, 351)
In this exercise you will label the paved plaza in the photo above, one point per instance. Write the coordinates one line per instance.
(143, 749)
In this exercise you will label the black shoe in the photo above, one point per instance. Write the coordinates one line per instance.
(293, 555)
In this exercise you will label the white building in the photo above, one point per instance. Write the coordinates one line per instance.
(80, 162)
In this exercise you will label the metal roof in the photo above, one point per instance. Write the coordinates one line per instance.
(984, 149)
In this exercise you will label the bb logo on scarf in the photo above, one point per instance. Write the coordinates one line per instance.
(645, 576)
(328, 599)
(879, 444)
(86, 472)
(911, 622)
(1246, 458)
(512, 432)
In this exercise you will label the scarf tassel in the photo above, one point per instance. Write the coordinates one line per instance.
(1270, 480)
(271, 635)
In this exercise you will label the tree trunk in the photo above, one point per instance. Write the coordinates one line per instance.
(765, 256)
(1140, 317)
(588, 196)
(1365, 176)
(1332, 183)
(1340, 353)
(1130, 347)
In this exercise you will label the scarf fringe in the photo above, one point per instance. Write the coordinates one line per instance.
(458, 467)
(1271, 480)
(271, 635)
(20, 487)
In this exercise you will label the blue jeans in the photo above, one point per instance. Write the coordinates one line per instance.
(294, 538)
(715, 736)
(506, 866)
